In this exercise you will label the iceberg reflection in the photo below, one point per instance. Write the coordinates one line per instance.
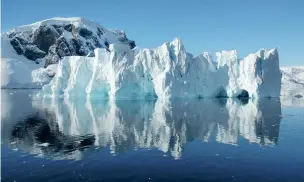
(65, 128)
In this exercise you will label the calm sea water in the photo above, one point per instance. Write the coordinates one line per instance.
(154, 140)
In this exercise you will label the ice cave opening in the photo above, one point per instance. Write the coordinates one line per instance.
(221, 93)
(243, 94)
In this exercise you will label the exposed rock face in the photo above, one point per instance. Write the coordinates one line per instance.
(56, 38)
(45, 36)
(28, 49)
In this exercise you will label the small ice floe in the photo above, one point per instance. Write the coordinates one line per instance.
(43, 144)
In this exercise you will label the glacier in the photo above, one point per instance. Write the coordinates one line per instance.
(166, 72)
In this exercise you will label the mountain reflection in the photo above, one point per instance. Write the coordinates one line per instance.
(63, 129)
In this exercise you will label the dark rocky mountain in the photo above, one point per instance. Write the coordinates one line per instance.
(58, 37)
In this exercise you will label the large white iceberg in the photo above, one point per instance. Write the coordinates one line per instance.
(165, 72)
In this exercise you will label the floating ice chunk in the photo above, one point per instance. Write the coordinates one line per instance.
(43, 144)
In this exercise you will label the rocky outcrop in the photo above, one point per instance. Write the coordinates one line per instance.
(56, 38)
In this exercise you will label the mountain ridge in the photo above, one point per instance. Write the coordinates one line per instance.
(55, 38)
(292, 81)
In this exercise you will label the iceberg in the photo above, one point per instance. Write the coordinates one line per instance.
(166, 72)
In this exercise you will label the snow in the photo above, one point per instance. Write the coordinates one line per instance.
(292, 81)
(165, 72)
(19, 72)
(77, 21)
(16, 70)
(44, 75)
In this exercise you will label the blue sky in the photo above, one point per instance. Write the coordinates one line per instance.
(213, 25)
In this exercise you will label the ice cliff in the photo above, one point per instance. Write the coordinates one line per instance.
(165, 72)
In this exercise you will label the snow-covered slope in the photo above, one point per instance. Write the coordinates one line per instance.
(43, 43)
(293, 81)
(167, 71)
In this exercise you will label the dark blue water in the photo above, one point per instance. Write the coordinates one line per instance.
(155, 140)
